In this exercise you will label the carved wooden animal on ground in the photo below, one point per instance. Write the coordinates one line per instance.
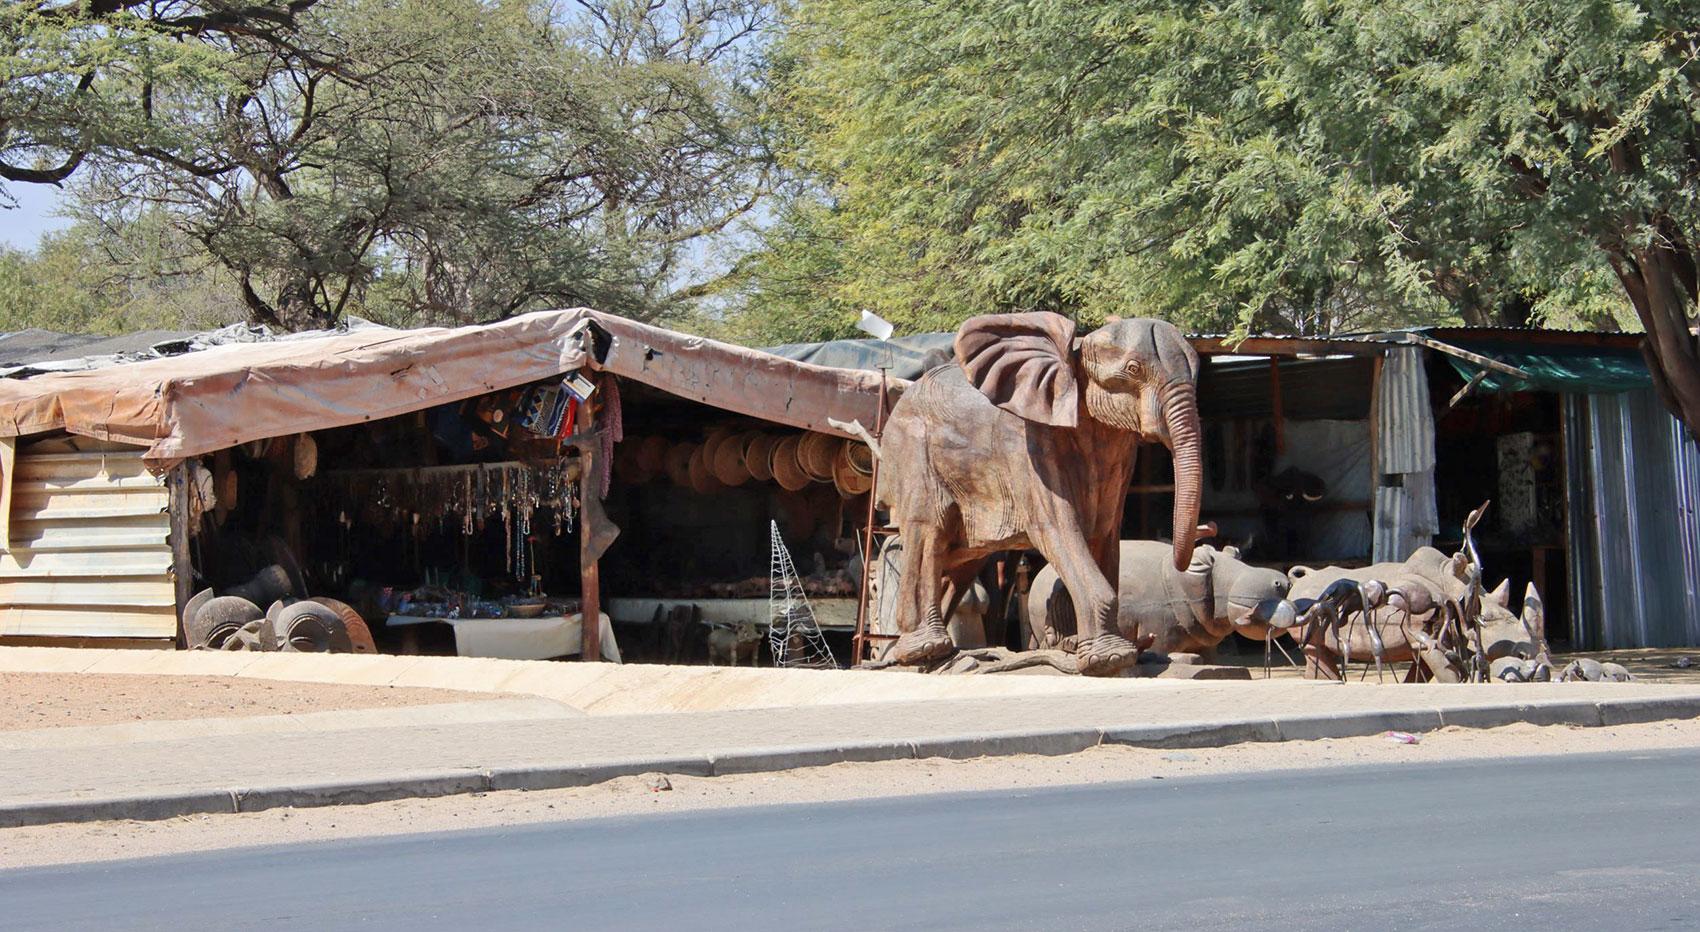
(732, 644)
(1409, 614)
(1184, 611)
(994, 453)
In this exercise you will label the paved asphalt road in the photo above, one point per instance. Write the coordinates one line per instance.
(1609, 842)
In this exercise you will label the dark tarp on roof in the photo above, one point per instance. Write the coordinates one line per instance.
(1575, 369)
(27, 346)
(907, 357)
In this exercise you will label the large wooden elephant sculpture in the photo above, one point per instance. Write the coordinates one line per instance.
(1028, 441)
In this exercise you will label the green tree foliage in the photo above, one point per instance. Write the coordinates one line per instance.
(1286, 165)
(89, 280)
(410, 160)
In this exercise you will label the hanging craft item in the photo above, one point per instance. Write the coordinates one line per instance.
(678, 464)
(729, 459)
(703, 481)
(717, 436)
(467, 498)
(613, 430)
(786, 470)
(306, 456)
(628, 467)
(850, 481)
(815, 453)
(758, 457)
(493, 413)
(581, 386)
(202, 497)
(544, 409)
(227, 485)
(652, 454)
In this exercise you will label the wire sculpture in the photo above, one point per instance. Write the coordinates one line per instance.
(793, 634)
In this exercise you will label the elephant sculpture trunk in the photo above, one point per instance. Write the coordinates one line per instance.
(1180, 411)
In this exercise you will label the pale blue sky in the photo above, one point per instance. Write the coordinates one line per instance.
(22, 226)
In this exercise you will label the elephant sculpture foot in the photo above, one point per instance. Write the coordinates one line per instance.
(1107, 654)
(925, 644)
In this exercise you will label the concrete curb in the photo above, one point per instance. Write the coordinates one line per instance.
(766, 760)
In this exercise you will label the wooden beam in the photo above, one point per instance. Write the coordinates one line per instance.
(1469, 387)
(1486, 362)
(1285, 346)
(1275, 405)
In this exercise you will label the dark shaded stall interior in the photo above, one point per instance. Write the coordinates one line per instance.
(461, 510)
(1288, 459)
(695, 546)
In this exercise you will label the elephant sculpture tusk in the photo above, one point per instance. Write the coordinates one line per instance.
(856, 429)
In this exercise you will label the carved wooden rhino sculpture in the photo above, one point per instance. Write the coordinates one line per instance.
(1181, 611)
(1407, 604)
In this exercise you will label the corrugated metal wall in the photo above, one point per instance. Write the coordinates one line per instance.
(87, 553)
(1633, 477)
(1405, 515)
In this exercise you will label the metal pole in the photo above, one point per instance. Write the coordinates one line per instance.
(859, 648)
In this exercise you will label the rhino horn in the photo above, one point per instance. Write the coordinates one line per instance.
(1534, 618)
(1501, 594)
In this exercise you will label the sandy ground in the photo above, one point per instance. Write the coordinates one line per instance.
(102, 841)
(53, 700)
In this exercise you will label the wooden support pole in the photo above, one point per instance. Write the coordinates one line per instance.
(1275, 404)
(182, 564)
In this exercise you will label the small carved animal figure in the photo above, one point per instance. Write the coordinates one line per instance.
(730, 644)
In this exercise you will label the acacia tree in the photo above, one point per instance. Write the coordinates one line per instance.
(441, 161)
(72, 72)
(1246, 163)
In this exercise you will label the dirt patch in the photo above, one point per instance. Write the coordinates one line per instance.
(671, 793)
(57, 700)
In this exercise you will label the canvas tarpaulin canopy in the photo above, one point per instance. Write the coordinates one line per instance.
(211, 399)
(1581, 370)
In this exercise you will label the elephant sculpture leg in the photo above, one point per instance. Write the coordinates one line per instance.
(920, 597)
(1102, 651)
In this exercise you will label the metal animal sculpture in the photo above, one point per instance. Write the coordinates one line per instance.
(1426, 614)
(1027, 441)
(1183, 611)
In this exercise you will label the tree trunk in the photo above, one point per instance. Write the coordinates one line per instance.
(1660, 283)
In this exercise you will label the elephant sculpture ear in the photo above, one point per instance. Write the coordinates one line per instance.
(1024, 363)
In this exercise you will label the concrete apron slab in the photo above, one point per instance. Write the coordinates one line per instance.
(446, 781)
(594, 688)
